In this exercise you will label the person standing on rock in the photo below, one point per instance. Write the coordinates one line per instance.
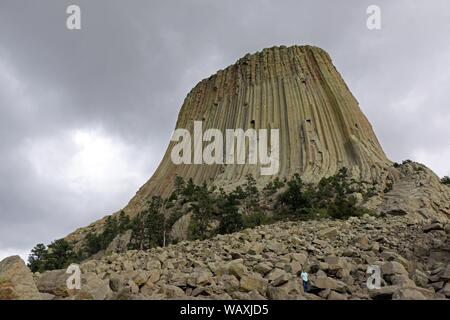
(304, 276)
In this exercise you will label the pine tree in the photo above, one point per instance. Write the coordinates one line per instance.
(179, 185)
(154, 224)
(92, 244)
(251, 200)
(293, 197)
(203, 209)
(110, 231)
(239, 193)
(273, 186)
(148, 227)
(138, 232)
(231, 219)
(189, 190)
(60, 254)
(124, 222)
(37, 258)
(343, 207)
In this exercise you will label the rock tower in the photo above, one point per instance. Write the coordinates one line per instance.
(294, 89)
(321, 129)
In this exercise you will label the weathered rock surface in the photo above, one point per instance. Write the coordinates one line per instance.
(322, 129)
(417, 191)
(92, 286)
(295, 89)
(16, 281)
(119, 243)
(413, 259)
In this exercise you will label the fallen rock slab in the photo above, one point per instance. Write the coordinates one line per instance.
(16, 281)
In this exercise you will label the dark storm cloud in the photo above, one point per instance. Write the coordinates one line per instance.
(86, 115)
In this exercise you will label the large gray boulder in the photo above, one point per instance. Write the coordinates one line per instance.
(16, 281)
(92, 286)
(54, 282)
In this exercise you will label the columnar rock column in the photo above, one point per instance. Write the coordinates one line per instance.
(322, 129)
(294, 89)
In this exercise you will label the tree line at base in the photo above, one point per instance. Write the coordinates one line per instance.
(213, 211)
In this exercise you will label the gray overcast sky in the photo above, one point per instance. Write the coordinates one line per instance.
(85, 116)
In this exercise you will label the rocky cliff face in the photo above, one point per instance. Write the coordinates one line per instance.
(322, 129)
(296, 90)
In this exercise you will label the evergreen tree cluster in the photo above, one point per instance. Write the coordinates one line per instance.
(149, 227)
(273, 186)
(214, 211)
(97, 242)
(219, 212)
(332, 197)
(58, 255)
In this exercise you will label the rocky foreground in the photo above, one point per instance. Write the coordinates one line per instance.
(263, 263)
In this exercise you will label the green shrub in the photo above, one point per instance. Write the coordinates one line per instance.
(446, 180)
(331, 197)
(124, 222)
(92, 244)
(372, 191)
(189, 190)
(273, 186)
(389, 187)
(179, 185)
(407, 161)
(344, 207)
(294, 197)
(256, 219)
